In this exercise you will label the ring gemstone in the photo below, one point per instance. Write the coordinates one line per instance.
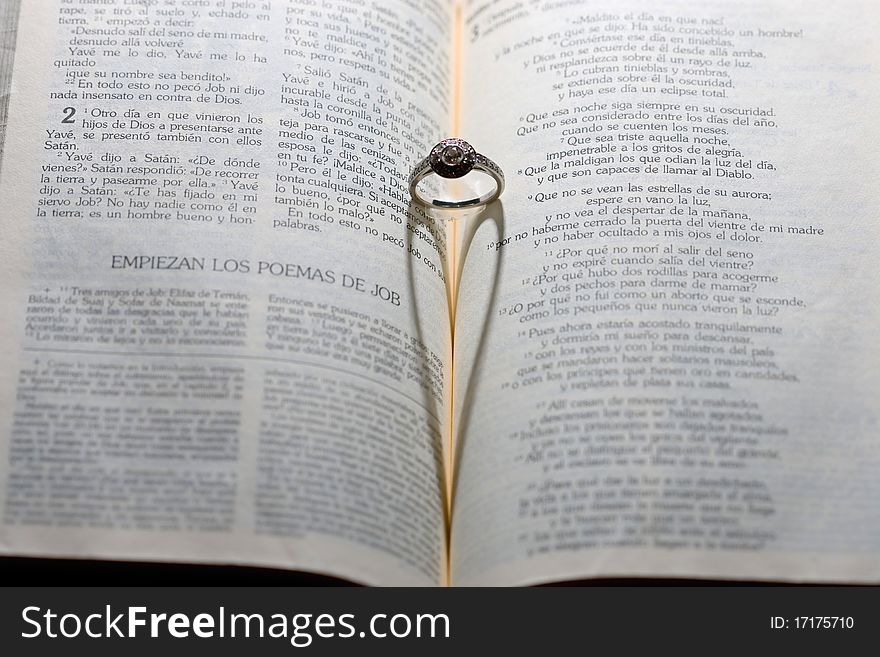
(452, 158)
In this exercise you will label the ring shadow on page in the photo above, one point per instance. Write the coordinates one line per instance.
(436, 228)
(490, 214)
(436, 221)
(435, 225)
(468, 222)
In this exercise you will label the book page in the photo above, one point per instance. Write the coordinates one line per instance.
(225, 330)
(8, 25)
(674, 370)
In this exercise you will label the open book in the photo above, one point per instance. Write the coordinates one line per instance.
(230, 337)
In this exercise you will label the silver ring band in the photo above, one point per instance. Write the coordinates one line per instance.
(454, 158)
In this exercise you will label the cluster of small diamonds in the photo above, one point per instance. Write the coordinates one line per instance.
(417, 169)
(452, 158)
(486, 163)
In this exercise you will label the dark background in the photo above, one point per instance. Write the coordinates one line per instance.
(22, 571)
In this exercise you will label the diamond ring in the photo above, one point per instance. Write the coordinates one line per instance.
(455, 158)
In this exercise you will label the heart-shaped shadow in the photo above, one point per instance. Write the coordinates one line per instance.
(464, 225)
(466, 379)
(436, 227)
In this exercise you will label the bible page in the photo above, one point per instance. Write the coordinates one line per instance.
(672, 368)
(225, 331)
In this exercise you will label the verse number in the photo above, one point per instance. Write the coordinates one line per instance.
(68, 115)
